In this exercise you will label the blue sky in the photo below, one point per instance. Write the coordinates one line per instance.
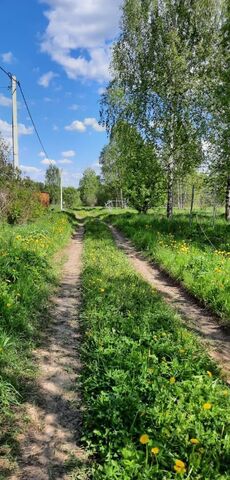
(59, 50)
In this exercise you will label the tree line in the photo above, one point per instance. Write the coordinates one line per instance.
(167, 107)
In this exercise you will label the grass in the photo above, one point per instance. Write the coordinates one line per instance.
(197, 255)
(155, 406)
(26, 279)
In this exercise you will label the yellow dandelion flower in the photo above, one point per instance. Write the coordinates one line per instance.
(155, 450)
(172, 380)
(194, 441)
(102, 290)
(180, 466)
(207, 406)
(209, 373)
(144, 439)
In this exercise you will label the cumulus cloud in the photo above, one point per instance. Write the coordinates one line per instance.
(42, 154)
(30, 169)
(79, 35)
(6, 130)
(5, 101)
(7, 57)
(46, 78)
(69, 153)
(74, 107)
(77, 126)
(81, 126)
(65, 161)
(101, 90)
(48, 161)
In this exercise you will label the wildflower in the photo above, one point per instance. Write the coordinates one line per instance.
(180, 466)
(144, 439)
(207, 406)
(155, 450)
(194, 441)
(172, 380)
(102, 290)
(209, 373)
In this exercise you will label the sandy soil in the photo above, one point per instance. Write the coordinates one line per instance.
(54, 409)
(198, 319)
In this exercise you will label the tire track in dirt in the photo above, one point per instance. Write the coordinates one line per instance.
(197, 319)
(54, 408)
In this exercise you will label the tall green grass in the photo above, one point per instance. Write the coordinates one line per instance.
(26, 280)
(198, 255)
(155, 406)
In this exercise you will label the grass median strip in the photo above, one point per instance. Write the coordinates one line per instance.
(155, 404)
(185, 252)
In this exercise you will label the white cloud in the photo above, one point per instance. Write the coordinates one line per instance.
(65, 161)
(5, 101)
(30, 169)
(101, 90)
(79, 35)
(42, 154)
(7, 57)
(69, 153)
(92, 122)
(74, 107)
(77, 126)
(45, 79)
(23, 130)
(6, 130)
(81, 126)
(48, 161)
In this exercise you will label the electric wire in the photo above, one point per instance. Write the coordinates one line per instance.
(32, 121)
(7, 73)
(28, 110)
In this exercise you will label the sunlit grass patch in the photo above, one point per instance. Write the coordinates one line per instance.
(155, 404)
(197, 255)
(26, 280)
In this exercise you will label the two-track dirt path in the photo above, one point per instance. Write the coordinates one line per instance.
(54, 409)
(197, 319)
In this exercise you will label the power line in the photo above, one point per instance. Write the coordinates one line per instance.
(7, 73)
(31, 118)
(28, 110)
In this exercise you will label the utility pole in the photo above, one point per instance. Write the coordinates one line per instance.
(61, 193)
(14, 122)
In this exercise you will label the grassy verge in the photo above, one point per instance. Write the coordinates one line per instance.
(26, 279)
(155, 405)
(197, 255)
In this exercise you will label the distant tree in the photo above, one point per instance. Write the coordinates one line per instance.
(71, 197)
(89, 185)
(131, 167)
(52, 183)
